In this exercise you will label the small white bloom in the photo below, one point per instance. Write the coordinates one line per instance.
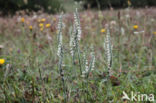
(138, 32)
(77, 24)
(108, 49)
(122, 31)
(59, 36)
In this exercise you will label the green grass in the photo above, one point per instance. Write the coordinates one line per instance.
(31, 74)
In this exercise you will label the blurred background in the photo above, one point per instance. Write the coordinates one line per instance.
(55, 6)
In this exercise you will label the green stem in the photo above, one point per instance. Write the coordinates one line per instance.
(79, 61)
(61, 74)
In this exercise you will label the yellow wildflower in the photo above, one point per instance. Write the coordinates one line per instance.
(41, 25)
(48, 25)
(154, 33)
(30, 27)
(43, 20)
(103, 30)
(22, 20)
(2, 61)
(135, 26)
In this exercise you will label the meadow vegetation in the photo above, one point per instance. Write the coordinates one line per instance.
(80, 57)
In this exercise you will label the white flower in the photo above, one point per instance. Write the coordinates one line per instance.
(59, 46)
(122, 31)
(86, 68)
(108, 49)
(93, 63)
(72, 42)
(77, 24)
(138, 32)
(59, 36)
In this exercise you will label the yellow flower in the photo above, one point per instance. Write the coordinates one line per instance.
(41, 29)
(30, 27)
(43, 20)
(154, 33)
(103, 30)
(135, 26)
(48, 25)
(2, 61)
(22, 20)
(41, 25)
